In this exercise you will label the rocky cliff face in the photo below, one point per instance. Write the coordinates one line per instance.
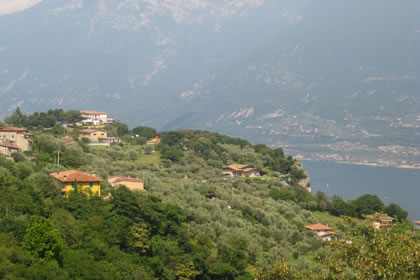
(306, 182)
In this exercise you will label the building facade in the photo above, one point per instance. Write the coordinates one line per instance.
(98, 136)
(380, 221)
(8, 149)
(72, 180)
(93, 135)
(15, 139)
(95, 118)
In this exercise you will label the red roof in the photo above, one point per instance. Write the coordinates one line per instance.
(74, 175)
(417, 222)
(12, 129)
(92, 112)
(318, 227)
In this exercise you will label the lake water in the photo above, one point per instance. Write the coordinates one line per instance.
(390, 184)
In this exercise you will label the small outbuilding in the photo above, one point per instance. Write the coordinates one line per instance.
(133, 184)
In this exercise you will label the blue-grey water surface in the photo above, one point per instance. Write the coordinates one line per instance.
(398, 185)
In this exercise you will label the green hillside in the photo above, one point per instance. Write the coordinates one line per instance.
(190, 222)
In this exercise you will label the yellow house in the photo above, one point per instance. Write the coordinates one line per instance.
(93, 135)
(75, 178)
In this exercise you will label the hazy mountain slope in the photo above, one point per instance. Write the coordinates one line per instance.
(332, 79)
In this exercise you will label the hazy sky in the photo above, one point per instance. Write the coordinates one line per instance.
(14, 6)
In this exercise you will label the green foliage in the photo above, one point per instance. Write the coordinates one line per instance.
(280, 270)
(171, 153)
(340, 207)
(43, 120)
(373, 254)
(116, 129)
(18, 157)
(16, 119)
(42, 240)
(282, 194)
(144, 131)
(367, 204)
(140, 236)
(395, 211)
(58, 130)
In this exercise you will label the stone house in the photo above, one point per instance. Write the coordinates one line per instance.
(15, 139)
(241, 170)
(8, 149)
(380, 221)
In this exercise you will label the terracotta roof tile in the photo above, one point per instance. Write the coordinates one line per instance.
(318, 227)
(92, 112)
(12, 129)
(74, 175)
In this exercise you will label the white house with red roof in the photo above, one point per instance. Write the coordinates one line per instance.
(323, 231)
(95, 117)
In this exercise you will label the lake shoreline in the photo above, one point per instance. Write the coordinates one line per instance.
(349, 180)
(361, 163)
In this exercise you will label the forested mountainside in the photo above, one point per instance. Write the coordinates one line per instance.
(191, 221)
(325, 80)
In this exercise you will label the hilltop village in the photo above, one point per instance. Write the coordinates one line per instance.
(83, 196)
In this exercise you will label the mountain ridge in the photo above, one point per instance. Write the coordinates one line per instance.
(290, 73)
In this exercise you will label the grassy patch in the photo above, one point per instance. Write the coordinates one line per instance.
(153, 158)
(326, 218)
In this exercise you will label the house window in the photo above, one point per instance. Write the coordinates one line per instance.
(91, 185)
(73, 185)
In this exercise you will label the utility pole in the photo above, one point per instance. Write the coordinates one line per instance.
(58, 157)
